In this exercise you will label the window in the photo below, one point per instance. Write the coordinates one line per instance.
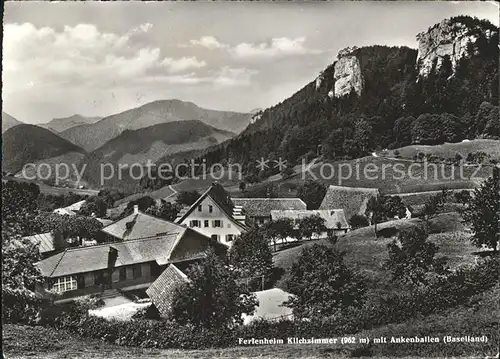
(210, 209)
(123, 274)
(215, 237)
(64, 284)
(206, 223)
(137, 271)
(199, 208)
(194, 223)
(217, 223)
(229, 237)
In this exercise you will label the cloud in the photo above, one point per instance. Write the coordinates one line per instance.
(182, 64)
(209, 42)
(227, 76)
(224, 77)
(280, 46)
(82, 55)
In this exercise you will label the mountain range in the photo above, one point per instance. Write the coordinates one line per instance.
(8, 121)
(92, 136)
(65, 123)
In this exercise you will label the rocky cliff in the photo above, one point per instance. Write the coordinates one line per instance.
(348, 76)
(343, 77)
(451, 37)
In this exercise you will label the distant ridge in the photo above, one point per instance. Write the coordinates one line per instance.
(24, 143)
(65, 123)
(93, 136)
(8, 122)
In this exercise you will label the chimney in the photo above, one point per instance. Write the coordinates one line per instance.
(136, 209)
(112, 257)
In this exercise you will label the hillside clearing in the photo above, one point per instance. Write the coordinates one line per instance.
(449, 150)
(367, 253)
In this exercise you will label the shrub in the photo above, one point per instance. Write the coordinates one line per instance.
(19, 306)
(89, 302)
(149, 312)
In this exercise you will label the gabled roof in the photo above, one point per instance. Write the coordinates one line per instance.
(352, 200)
(142, 226)
(162, 290)
(262, 207)
(94, 258)
(169, 248)
(220, 197)
(331, 216)
(45, 241)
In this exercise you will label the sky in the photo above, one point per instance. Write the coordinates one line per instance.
(101, 58)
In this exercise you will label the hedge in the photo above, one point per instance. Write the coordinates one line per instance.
(444, 293)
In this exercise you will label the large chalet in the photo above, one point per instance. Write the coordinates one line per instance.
(215, 215)
(143, 247)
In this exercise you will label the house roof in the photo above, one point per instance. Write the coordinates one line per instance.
(352, 200)
(64, 211)
(262, 207)
(105, 222)
(70, 210)
(173, 247)
(143, 226)
(93, 258)
(331, 216)
(75, 206)
(45, 241)
(220, 197)
(162, 290)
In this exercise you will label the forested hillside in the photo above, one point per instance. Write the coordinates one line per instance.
(396, 107)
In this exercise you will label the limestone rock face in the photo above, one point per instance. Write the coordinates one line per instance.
(319, 80)
(255, 117)
(348, 76)
(450, 38)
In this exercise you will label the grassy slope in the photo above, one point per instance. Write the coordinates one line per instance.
(366, 253)
(389, 179)
(46, 189)
(449, 150)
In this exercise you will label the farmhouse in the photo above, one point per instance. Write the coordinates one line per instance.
(130, 264)
(214, 214)
(259, 209)
(335, 221)
(352, 200)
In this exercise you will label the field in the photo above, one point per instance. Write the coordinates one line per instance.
(157, 194)
(449, 150)
(57, 191)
